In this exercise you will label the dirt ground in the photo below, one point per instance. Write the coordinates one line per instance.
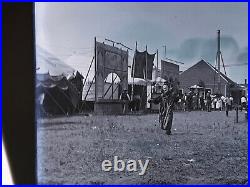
(205, 148)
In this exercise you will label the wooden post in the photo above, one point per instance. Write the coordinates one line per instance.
(112, 86)
(88, 72)
(227, 109)
(95, 72)
(225, 90)
(146, 76)
(157, 64)
(237, 114)
(218, 62)
(133, 73)
(146, 71)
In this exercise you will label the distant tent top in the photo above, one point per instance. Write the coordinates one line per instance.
(136, 81)
(48, 81)
(139, 65)
(47, 63)
(160, 80)
(196, 87)
(52, 72)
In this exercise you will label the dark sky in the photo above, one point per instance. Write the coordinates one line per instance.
(188, 30)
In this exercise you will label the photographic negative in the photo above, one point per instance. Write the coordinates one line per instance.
(142, 93)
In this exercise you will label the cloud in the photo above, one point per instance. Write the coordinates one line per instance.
(192, 50)
(205, 48)
(145, 32)
(243, 56)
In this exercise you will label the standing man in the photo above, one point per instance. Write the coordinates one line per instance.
(202, 104)
(124, 97)
(190, 101)
(228, 105)
(209, 102)
(167, 100)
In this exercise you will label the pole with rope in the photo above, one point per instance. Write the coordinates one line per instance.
(146, 75)
(133, 73)
(157, 64)
(218, 62)
(95, 72)
(88, 71)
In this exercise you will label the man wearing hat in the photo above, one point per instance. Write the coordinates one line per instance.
(167, 100)
(209, 101)
(125, 99)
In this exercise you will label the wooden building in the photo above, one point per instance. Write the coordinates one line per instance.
(207, 75)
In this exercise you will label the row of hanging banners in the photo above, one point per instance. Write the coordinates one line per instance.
(142, 69)
(110, 59)
(144, 61)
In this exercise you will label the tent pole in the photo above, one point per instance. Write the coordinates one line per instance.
(157, 65)
(88, 71)
(146, 71)
(95, 73)
(89, 89)
(218, 62)
(133, 73)
(87, 93)
(112, 95)
(86, 78)
(146, 75)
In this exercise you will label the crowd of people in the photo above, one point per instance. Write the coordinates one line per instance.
(170, 98)
(208, 102)
(192, 101)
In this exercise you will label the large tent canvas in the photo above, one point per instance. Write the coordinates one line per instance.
(59, 86)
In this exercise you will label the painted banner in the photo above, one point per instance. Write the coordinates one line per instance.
(110, 59)
(139, 65)
(169, 70)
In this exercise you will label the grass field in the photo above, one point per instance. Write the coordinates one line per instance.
(205, 148)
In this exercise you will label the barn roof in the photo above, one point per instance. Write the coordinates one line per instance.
(227, 79)
(221, 74)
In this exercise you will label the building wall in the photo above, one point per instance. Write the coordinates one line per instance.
(201, 71)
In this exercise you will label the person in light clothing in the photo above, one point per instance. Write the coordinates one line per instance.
(231, 100)
(217, 104)
(243, 101)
